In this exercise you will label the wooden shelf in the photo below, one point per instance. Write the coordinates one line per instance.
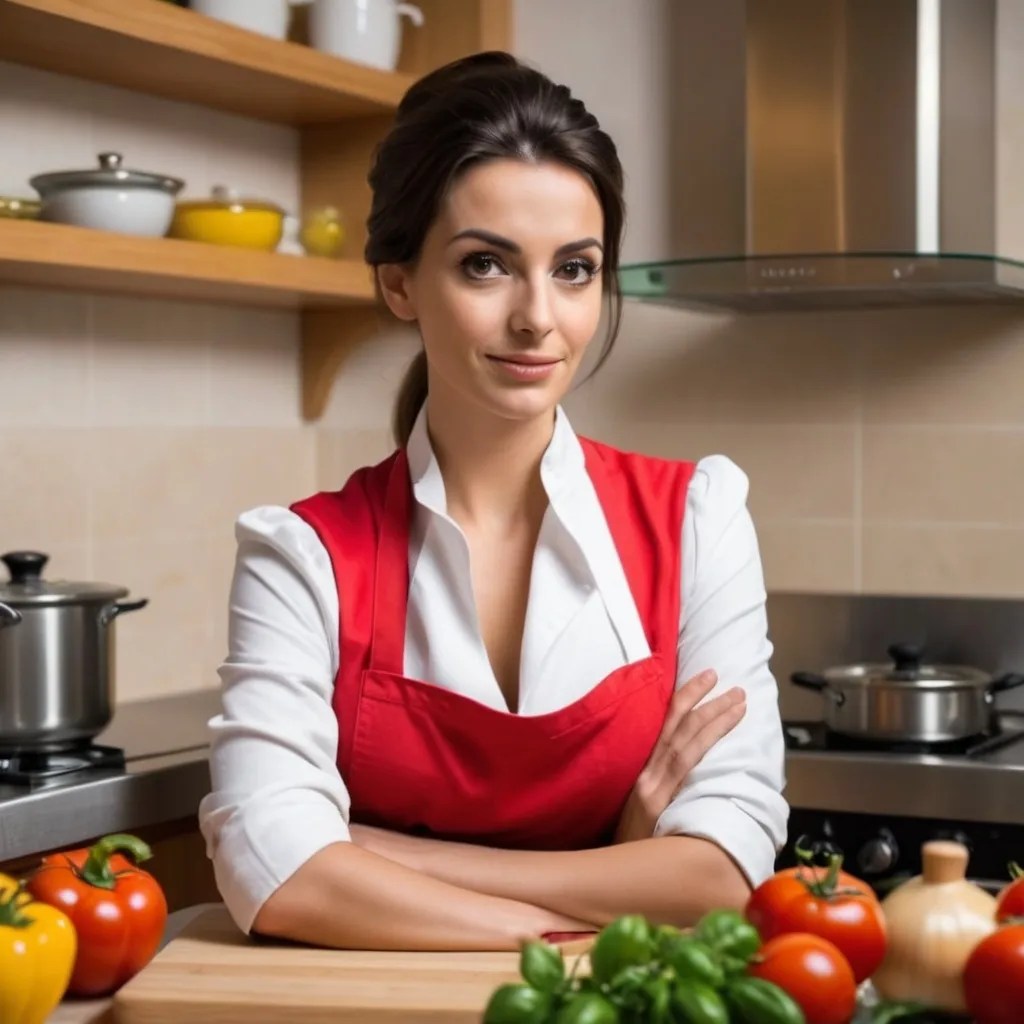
(157, 48)
(59, 256)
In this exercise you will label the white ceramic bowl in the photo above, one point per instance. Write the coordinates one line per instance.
(109, 198)
(130, 211)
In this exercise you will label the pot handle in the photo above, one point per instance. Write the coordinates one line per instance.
(119, 608)
(809, 681)
(1009, 681)
(8, 616)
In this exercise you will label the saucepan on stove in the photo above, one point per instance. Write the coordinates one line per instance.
(56, 657)
(908, 700)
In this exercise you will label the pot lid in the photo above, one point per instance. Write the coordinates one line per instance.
(224, 198)
(108, 173)
(27, 586)
(908, 667)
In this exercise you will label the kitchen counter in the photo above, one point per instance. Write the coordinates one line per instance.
(166, 776)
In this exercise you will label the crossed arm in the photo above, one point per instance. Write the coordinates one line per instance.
(590, 886)
(422, 894)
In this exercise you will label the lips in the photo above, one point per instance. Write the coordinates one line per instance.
(525, 369)
(526, 360)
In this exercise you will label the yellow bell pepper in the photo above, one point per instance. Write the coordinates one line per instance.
(37, 954)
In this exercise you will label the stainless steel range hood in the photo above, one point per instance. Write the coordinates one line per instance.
(832, 153)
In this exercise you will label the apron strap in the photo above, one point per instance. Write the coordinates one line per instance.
(391, 576)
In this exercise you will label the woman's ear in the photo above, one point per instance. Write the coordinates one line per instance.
(394, 281)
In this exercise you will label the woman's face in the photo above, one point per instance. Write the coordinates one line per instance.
(507, 292)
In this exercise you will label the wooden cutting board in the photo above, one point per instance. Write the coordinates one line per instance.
(213, 974)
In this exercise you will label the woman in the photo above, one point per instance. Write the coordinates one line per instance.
(508, 682)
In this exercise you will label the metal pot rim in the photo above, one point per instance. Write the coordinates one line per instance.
(908, 670)
(926, 677)
(108, 173)
(58, 594)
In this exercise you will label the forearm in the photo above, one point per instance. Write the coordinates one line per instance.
(349, 898)
(670, 880)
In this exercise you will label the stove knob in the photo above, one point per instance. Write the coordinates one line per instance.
(878, 855)
(955, 837)
(964, 840)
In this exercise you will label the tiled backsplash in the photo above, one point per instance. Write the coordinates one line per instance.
(131, 434)
(885, 449)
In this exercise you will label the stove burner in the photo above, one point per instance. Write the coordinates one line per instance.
(28, 768)
(812, 735)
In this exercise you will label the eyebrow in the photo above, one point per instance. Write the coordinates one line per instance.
(500, 242)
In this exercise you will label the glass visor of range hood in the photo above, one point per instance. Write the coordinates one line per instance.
(824, 281)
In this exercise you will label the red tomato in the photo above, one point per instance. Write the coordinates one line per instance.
(765, 905)
(1011, 899)
(813, 972)
(994, 977)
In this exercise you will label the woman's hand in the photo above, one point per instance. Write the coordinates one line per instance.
(688, 734)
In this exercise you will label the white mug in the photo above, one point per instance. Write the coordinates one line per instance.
(362, 31)
(267, 17)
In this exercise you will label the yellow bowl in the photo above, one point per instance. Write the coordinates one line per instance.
(13, 208)
(226, 220)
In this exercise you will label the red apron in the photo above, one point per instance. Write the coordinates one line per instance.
(419, 758)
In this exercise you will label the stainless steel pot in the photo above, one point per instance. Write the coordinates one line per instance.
(908, 700)
(56, 657)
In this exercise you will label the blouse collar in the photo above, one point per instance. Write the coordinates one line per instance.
(562, 466)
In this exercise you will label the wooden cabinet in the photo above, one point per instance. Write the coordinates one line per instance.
(340, 109)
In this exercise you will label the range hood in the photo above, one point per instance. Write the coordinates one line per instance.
(831, 154)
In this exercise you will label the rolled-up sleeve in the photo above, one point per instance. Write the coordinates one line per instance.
(734, 796)
(276, 797)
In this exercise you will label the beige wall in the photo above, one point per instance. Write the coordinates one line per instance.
(885, 450)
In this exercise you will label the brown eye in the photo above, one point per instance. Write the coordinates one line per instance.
(480, 265)
(577, 272)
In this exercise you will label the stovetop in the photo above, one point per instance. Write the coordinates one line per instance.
(814, 737)
(29, 769)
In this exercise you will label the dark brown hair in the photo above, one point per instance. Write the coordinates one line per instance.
(484, 107)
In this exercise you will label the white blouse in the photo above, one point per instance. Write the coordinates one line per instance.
(277, 796)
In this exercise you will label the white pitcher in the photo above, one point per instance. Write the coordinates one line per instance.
(363, 31)
(267, 17)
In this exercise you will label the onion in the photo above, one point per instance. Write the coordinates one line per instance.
(934, 921)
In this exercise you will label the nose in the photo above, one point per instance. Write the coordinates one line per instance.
(532, 313)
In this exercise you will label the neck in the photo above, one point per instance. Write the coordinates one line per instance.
(491, 469)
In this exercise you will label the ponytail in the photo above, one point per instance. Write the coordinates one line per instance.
(412, 393)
